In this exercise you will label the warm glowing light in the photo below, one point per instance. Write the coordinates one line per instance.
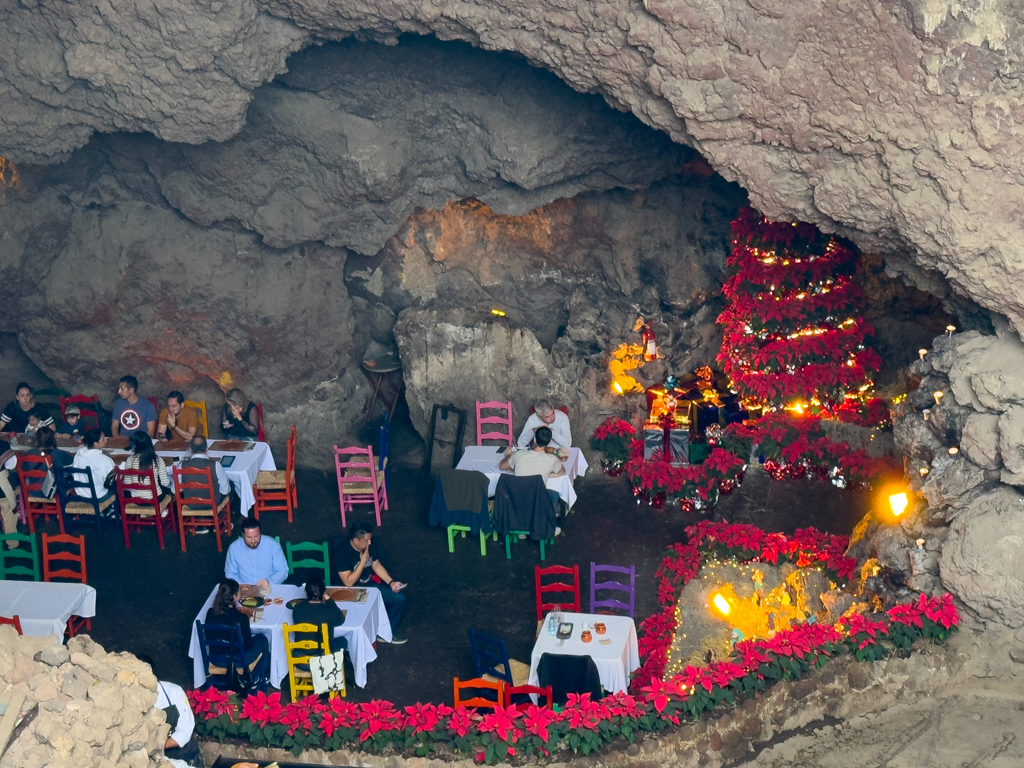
(721, 604)
(498, 312)
(954, 451)
(950, 329)
(921, 353)
(938, 396)
(617, 388)
(898, 502)
(923, 471)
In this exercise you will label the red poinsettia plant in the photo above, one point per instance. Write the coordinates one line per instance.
(613, 438)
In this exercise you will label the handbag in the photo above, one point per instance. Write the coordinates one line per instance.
(328, 672)
(240, 678)
(49, 485)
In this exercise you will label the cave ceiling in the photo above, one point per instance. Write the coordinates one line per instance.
(893, 123)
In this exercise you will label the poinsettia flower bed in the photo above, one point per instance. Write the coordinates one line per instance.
(583, 725)
(613, 437)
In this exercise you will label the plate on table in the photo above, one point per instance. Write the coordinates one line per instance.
(564, 630)
(171, 445)
(290, 605)
(348, 594)
(252, 602)
(232, 445)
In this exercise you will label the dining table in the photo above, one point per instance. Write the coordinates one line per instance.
(364, 623)
(44, 607)
(615, 652)
(487, 458)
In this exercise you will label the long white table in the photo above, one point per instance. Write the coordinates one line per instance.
(486, 458)
(364, 623)
(43, 608)
(242, 473)
(615, 660)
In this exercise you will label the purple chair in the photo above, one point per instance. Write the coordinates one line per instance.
(617, 586)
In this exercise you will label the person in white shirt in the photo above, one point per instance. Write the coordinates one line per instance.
(181, 748)
(199, 460)
(90, 456)
(546, 415)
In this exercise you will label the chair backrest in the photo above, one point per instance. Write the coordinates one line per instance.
(19, 555)
(300, 651)
(612, 585)
(518, 696)
(490, 656)
(221, 646)
(88, 408)
(479, 685)
(14, 621)
(136, 480)
(64, 558)
(383, 441)
(200, 407)
(355, 465)
(193, 486)
(312, 561)
(293, 441)
(557, 587)
(31, 473)
(259, 423)
(156, 407)
(69, 478)
(502, 424)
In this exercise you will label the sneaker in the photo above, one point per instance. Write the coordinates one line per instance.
(558, 531)
(202, 530)
(399, 640)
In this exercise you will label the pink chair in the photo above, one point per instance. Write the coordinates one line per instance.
(504, 423)
(359, 481)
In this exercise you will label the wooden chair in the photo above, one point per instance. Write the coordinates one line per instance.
(518, 696)
(88, 409)
(502, 430)
(84, 508)
(359, 482)
(617, 586)
(194, 496)
(260, 436)
(66, 563)
(383, 448)
(321, 563)
(299, 676)
(573, 588)
(9, 556)
(491, 660)
(277, 491)
(478, 684)
(221, 647)
(137, 512)
(31, 473)
(200, 406)
(14, 621)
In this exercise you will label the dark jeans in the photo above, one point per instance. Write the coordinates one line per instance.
(260, 644)
(394, 604)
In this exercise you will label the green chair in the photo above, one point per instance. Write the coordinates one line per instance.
(310, 562)
(7, 569)
(508, 543)
(466, 529)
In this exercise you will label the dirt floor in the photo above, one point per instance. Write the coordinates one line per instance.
(148, 598)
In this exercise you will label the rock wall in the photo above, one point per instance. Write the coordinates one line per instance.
(93, 708)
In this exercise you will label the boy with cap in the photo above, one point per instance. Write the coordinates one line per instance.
(72, 424)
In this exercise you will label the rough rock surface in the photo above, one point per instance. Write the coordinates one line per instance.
(93, 708)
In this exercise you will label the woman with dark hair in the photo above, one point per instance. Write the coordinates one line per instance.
(46, 445)
(224, 611)
(144, 458)
(318, 609)
(240, 417)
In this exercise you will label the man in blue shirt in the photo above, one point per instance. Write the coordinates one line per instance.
(255, 560)
(132, 413)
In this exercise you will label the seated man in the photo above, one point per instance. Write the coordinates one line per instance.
(537, 462)
(15, 417)
(132, 413)
(254, 559)
(356, 559)
(545, 415)
(199, 460)
(177, 422)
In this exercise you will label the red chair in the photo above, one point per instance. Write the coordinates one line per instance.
(557, 586)
(14, 621)
(276, 491)
(359, 482)
(194, 496)
(88, 408)
(524, 691)
(503, 424)
(479, 684)
(259, 425)
(31, 473)
(66, 564)
(137, 511)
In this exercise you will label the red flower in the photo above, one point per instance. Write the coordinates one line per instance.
(263, 709)
(377, 716)
(425, 717)
(537, 720)
(461, 721)
(501, 721)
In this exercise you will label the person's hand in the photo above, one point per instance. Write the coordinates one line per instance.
(172, 420)
(396, 585)
(263, 584)
(364, 556)
(226, 424)
(236, 412)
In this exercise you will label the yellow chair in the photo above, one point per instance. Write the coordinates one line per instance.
(200, 405)
(298, 664)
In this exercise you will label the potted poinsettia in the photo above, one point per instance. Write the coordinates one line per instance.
(613, 438)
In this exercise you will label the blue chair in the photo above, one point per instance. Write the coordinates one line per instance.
(383, 444)
(491, 661)
(222, 648)
(84, 508)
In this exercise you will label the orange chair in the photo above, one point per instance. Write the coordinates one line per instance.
(276, 491)
(31, 473)
(65, 564)
(359, 482)
(259, 423)
(137, 512)
(194, 497)
(479, 684)
(88, 408)
(524, 691)
(543, 589)
(14, 621)
(503, 424)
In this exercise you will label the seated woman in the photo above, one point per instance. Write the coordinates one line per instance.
(224, 611)
(240, 416)
(144, 457)
(90, 456)
(46, 445)
(318, 609)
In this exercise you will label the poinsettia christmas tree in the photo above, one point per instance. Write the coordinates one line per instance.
(792, 333)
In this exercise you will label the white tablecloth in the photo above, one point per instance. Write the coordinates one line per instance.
(486, 458)
(363, 625)
(615, 661)
(45, 607)
(242, 473)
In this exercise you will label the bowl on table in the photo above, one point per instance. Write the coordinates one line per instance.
(600, 628)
